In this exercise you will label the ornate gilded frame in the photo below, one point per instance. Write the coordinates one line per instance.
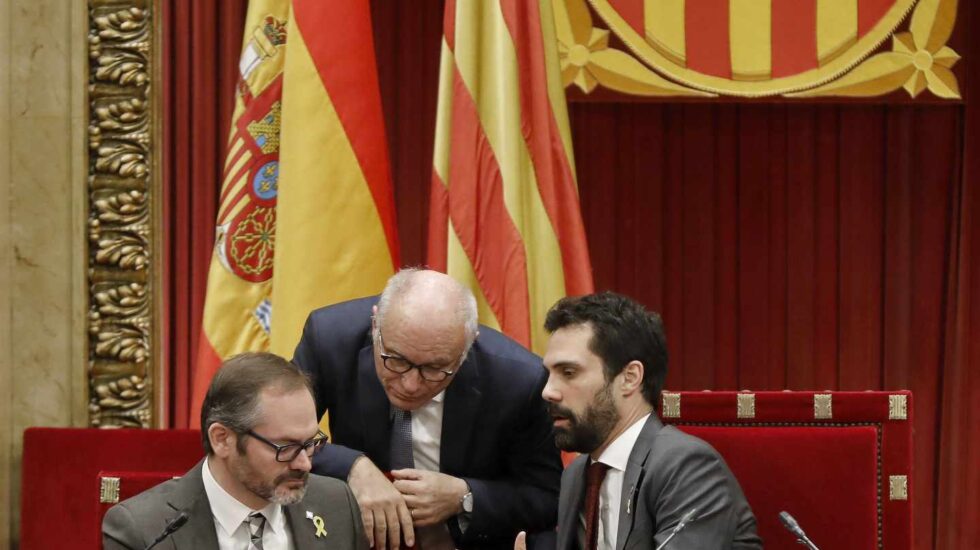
(123, 214)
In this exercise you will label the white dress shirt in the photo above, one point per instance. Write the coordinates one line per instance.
(426, 446)
(615, 456)
(427, 433)
(230, 515)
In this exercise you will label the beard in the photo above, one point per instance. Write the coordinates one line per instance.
(274, 491)
(586, 433)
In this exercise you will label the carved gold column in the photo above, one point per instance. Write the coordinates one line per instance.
(122, 209)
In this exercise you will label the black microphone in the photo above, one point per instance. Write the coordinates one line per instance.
(685, 519)
(793, 527)
(170, 529)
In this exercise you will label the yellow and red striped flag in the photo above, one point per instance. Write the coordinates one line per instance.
(306, 216)
(504, 215)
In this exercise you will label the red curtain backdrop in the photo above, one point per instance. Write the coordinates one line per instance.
(201, 45)
(788, 246)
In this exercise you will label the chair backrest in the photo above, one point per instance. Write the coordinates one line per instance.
(60, 487)
(116, 486)
(838, 462)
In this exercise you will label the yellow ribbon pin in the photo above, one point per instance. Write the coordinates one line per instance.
(321, 531)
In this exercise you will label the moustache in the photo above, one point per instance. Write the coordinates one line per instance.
(557, 410)
(293, 474)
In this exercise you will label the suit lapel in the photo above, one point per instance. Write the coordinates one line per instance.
(189, 496)
(633, 478)
(569, 507)
(300, 526)
(459, 415)
(374, 410)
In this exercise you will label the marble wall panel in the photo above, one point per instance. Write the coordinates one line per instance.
(42, 229)
(6, 254)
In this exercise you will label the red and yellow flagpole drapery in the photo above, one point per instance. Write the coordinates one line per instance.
(504, 215)
(306, 216)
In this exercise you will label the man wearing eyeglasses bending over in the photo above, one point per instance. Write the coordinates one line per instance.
(449, 410)
(254, 489)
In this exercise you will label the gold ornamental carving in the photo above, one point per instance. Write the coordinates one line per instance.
(898, 408)
(671, 404)
(823, 406)
(120, 222)
(109, 490)
(898, 487)
(897, 51)
(745, 405)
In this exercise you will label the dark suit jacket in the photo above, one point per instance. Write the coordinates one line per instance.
(496, 432)
(668, 474)
(135, 522)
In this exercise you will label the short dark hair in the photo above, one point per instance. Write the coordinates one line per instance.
(622, 331)
(233, 397)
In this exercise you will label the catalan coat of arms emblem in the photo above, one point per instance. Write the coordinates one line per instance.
(755, 48)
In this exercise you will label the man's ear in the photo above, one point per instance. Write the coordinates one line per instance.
(223, 440)
(632, 378)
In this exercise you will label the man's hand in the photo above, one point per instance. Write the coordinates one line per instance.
(432, 497)
(520, 543)
(383, 509)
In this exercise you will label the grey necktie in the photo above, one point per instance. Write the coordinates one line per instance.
(401, 440)
(433, 537)
(256, 526)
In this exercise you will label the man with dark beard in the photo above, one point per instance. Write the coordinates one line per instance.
(636, 478)
(254, 489)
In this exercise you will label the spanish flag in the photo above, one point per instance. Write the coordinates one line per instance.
(504, 211)
(306, 216)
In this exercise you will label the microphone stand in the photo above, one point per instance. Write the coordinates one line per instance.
(805, 541)
(687, 518)
(794, 527)
(170, 529)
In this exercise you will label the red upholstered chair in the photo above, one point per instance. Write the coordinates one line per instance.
(839, 462)
(116, 486)
(60, 486)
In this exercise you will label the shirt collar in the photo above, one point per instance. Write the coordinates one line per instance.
(436, 400)
(617, 454)
(229, 513)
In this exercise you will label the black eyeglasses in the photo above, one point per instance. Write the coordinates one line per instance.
(288, 453)
(394, 363)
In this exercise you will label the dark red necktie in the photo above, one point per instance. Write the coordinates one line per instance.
(594, 474)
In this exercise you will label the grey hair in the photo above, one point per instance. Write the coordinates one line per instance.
(233, 396)
(406, 278)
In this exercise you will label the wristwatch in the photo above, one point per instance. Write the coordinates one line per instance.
(467, 502)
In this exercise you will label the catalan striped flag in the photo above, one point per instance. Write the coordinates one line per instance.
(756, 39)
(504, 215)
(306, 216)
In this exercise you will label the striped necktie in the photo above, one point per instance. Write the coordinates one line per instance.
(256, 526)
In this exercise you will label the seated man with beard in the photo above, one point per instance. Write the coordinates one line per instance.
(636, 479)
(253, 489)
